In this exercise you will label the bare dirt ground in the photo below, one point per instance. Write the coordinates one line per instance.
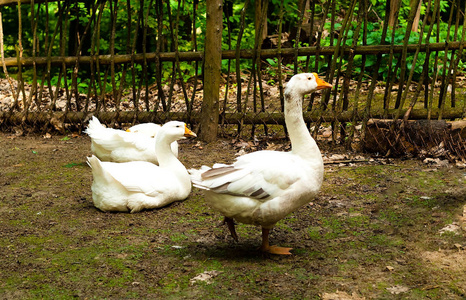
(380, 229)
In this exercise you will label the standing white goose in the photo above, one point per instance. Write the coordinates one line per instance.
(263, 187)
(137, 185)
(136, 143)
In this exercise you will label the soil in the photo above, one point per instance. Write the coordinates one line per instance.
(379, 229)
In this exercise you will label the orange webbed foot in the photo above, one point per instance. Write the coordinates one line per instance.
(277, 250)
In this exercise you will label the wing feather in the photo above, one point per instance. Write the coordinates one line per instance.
(111, 139)
(257, 175)
(150, 179)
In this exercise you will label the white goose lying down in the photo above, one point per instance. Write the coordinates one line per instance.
(137, 185)
(263, 187)
(136, 143)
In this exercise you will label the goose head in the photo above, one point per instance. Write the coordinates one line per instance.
(305, 83)
(173, 131)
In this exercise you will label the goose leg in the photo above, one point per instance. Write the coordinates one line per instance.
(272, 249)
(231, 226)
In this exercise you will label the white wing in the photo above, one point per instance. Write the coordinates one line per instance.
(142, 177)
(111, 139)
(259, 175)
(150, 129)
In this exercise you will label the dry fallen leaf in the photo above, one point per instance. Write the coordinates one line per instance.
(205, 277)
(390, 268)
(398, 289)
(339, 295)
(453, 228)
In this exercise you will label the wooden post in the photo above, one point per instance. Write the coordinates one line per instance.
(212, 68)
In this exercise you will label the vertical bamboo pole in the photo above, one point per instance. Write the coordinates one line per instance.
(96, 50)
(238, 66)
(144, 77)
(316, 63)
(298, 35)
(133, 51)
(196, 63)
(114, 14)
(312, 8)
(172, 49)
(62, 10)
(348, 144)
(279, 59)
(451, 75)
(445, 75)
(2, 53)
(227, 84)
(75, 69)
(458, 56)
(391, 74)
(177, 57)
(411, 72)
(375, 75)
(35, 40)
(80, 39)
(255, 56)
(19, 55)
(425, 72)
(91, 74)
(259, 39)
(412, 14)
(426, 82)
(434, 79)
(129, 48)
(349, 70)
(44, 69)
(158, 64)
(329, 58)
(93, 83)
(63, 40)
(340, 46)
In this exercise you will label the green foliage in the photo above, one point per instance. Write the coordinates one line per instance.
(187, 20)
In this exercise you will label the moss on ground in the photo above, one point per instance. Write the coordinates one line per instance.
(373, 227)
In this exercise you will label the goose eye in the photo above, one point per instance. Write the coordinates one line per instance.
(309, 78)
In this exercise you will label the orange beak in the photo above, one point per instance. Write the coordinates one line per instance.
(322, 84)
(188, 132)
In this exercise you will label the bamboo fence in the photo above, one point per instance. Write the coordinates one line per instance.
(59, 75)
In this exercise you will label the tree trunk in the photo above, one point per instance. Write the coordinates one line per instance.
(212, 69)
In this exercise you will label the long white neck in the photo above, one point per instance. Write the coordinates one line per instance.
(302, 143)
(165, 155)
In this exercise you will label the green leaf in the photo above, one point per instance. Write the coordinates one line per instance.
(72, 165)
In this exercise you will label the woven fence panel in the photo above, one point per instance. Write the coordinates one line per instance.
(142, 61)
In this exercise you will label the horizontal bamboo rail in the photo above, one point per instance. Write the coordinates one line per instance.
(228, 54)
(41, 118)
